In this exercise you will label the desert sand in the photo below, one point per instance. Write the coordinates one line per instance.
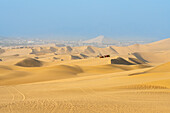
(134, 79)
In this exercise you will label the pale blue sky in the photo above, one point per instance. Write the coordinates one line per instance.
(85, 18)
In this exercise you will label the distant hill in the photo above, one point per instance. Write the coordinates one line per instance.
(101, 40)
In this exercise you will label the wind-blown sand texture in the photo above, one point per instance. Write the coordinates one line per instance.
(84, 83)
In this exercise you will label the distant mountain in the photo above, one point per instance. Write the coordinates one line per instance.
(98, 39)
(101, 40)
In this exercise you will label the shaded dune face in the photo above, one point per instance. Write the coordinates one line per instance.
(75, 57)
(89, 50)
(29, 62)
(69, 49)
(137, 61)
(120, 60)
(138, 56)
(83, 55)
(52, 49)
(113, 50)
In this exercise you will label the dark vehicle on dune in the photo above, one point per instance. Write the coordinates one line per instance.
(104, 56)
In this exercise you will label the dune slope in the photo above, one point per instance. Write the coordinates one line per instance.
(105, 92)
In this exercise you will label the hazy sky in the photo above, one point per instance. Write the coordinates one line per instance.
(85, 18)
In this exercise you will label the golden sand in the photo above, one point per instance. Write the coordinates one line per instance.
(86, 85)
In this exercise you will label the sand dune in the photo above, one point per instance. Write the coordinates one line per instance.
(153, 57)
(158, 46)
(120, 60)
(2, 51)
(69, 49)
(77, 81)
(105, 89)
(89, 50)
(53, 49)
(161, 68)
(113, 50)
(158, 50)
(39, 74)
(10, 52)
(29, 62)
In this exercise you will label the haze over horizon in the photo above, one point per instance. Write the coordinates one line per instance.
(86, 19)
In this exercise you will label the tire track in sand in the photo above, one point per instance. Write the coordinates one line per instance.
(15, 93)
(23, 96)
(12, 100)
